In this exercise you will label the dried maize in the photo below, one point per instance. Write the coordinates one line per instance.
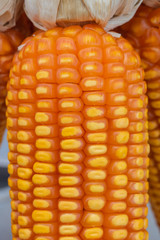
(77, 128)
(144, 34)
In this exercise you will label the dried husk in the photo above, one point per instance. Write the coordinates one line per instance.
(152, 3)
(46, 14)
(9, 12)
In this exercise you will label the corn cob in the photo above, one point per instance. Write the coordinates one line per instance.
(143, 33)
(77, 127)
(9, 41)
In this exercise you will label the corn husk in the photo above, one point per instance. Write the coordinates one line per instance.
(9, 12)
(152, 3)
(46, 14)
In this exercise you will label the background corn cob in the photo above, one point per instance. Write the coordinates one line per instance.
(77, 135)
(9, 41)
(144, 34)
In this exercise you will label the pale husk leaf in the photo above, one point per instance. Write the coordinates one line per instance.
(107, 13)
(152, 3)
(9, 12)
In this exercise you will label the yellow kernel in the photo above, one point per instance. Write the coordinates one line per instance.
(22, 160)
(67, 218)
(121, 111)
(120, 98)
(97, 149)
(96, 204)
(120, 234)
(70, 144)
(69, 192)
(121, 180)
(139, 149)
(93, 126)
(139, 115)
(95, 97)
(39, 203)
(120, 220)
(23, 148)
(139, 161)
(138, 138)
(41, 117)
(67, 206)
(138, 224)
(122, 123)
(97, 137)
(67, 229)
(24, 185)
(119, 206)
(43, 143)
(153, 85)
(93, 233)
(67, 238)
(43, 60)
(152, 125)
(99, 162)
(43, 156)
(65, 168)
(65, 120)
(70, 131)
(44, 168)
(155, 104)
(24, 173)
(122, 137)
(10, 169)
(66, 104)
(11, 146)
(24, 81)
(22, 196)
(22, 136)
(22, 221)
(94, 112)
(96, 188)
(10, 95)
(25, 233)
(93, 218)
(22, 208)
(12, 81)
(121, 152)
(42, 131)
(150, 74)
(97, 174)
(22, 122)
(69, 156)
(41, 192)
(139, 199)
(41, 229)
(121, 165)
(139, 236)
(67, 180)
(39, 179)
(42, 74)
(23, 95)
(43, 104)
(138, 186)
(41, 216)
(90, 83)
(120, 194)
(153, 95)
(9, 122)
(23, 109)
(41, 90)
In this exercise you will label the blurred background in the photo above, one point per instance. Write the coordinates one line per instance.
(5, 225)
